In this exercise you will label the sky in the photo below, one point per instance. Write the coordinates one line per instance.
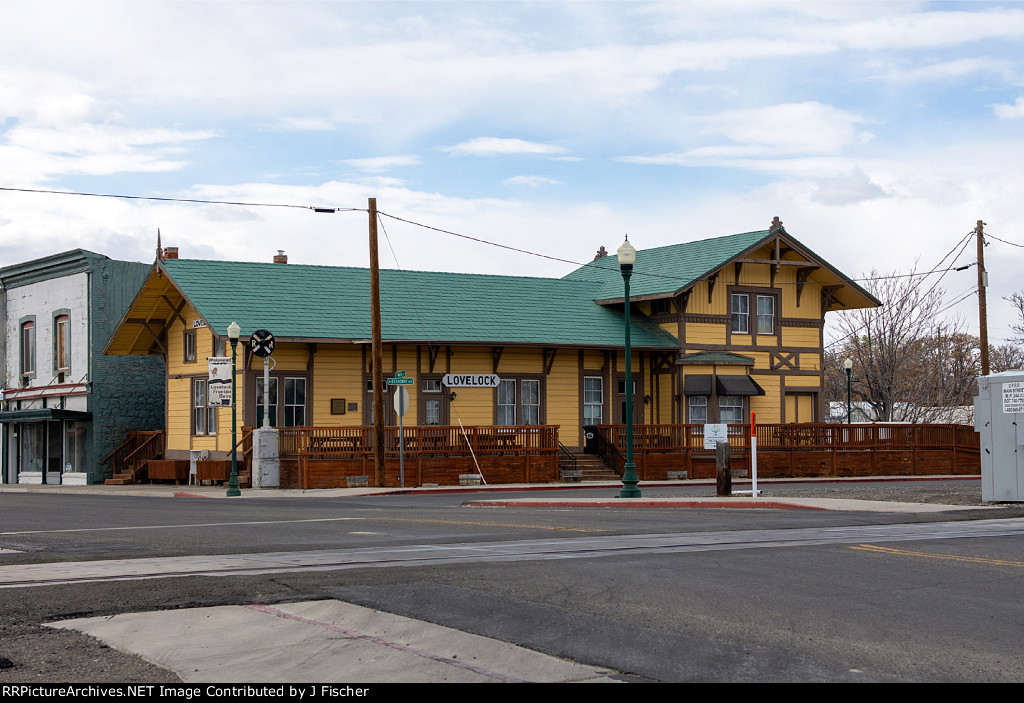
(879, 133)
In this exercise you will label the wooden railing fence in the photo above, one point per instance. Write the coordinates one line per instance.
(809, 449)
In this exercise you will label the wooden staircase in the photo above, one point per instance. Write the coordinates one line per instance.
(594, 469)
(130, 460)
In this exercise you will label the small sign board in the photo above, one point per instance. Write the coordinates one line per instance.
(262, 343)
(1013, 397)
(463, 380)
(401, 401)
(714, 433)
(404, 381)
(218, 392)
(399, 374)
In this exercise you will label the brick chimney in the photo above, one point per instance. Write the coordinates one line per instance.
(281, 257)
(170, 252)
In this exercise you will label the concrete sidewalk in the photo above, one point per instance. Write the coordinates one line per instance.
(324, 641)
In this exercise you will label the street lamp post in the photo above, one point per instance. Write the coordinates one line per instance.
(627, 256)
(848, 365)
(233, 332)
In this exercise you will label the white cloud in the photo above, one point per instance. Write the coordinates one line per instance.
(847, 188)
(1006, 112)
(531, 181)
(957, 68)
(496, 146)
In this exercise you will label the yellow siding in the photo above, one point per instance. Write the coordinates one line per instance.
(809, 382)
(810, 362)
(767, 406)
(799, 337)
(706, 333)
(563, 396)
(337, 373)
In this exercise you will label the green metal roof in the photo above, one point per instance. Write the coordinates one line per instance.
(321, 302)
(667, 270)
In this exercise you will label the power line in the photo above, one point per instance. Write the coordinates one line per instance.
(320, 209)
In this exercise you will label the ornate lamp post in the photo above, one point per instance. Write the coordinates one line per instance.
(627, 256)
(233, 331)
(848, 365)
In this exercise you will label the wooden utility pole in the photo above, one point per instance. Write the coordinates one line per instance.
(982, 311)
(377, 364)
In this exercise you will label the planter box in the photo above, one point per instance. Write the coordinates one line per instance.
(167, 470)
(469, 479)
(213, 470)
(357, 481)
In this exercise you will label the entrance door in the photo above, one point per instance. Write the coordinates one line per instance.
(54, 451)
(800, 407)
(620, 406)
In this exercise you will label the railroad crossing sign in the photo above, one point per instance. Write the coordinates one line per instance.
(262, 343)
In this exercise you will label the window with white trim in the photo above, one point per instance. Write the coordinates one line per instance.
(593, 400)
(730, 409)
(766, 314)
(740, 313)
(531, 402)
(506, 402)
(697, 409)
(204, 418)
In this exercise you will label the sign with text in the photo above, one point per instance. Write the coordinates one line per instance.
(460, 380)
(1013, 397)
(218, 392)
(715, 433)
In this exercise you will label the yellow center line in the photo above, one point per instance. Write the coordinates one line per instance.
(906, 553)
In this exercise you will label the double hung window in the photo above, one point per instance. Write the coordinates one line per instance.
(730, 409)
(204, 418)
(593, 400)
(518, 408)
(28, 350)
(740, 305)
(740, 313)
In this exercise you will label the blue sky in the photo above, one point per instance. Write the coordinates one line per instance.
(878, 132)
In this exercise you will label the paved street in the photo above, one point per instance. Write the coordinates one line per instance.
(582, 593)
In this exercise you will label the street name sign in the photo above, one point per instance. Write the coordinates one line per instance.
(460, 380)
(404, 381)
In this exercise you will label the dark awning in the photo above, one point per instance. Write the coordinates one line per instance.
(737, 385)
(43, 414)
(697, 384)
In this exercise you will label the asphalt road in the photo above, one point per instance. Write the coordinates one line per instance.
(943, 606)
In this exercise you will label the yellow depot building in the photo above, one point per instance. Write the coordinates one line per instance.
(719, 327)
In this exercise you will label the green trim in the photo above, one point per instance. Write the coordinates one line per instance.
(715, 358)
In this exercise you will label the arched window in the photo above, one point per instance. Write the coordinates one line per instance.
(28, 350)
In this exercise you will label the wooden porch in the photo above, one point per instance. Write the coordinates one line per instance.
(326, 457)
(801, 450)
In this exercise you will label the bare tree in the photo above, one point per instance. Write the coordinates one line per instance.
(1005, 357)
(907, 365)
(1017, 301)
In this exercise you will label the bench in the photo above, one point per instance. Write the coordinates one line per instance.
(357, 481)
(469, 479)
(572, 475)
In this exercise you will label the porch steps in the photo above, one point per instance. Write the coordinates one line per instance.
(134, 474)
(594, 468)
